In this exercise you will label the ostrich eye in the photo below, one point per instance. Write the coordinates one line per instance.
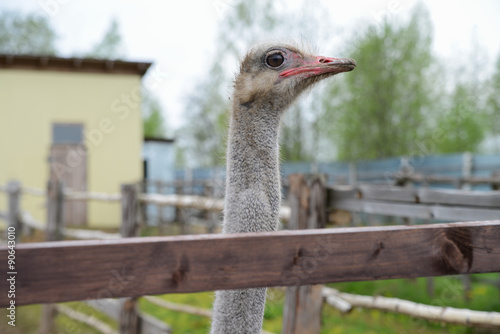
(275, 59)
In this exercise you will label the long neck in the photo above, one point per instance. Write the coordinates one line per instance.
(253, 199)
(253, 195)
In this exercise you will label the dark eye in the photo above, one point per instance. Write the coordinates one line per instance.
(275, 59)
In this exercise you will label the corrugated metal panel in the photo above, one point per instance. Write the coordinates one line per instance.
(160, 157)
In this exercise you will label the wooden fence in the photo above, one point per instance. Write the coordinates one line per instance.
(456, 170)
(61, 271)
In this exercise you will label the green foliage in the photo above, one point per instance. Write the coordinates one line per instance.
(111, 45)
(379, 110)
(493, 101)
(293, 145)
(26, 34)
(153, 122)
(203, 137)
(182, 322)
(202, 140)
(462, 123)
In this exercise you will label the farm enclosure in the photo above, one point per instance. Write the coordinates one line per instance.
(199, 263)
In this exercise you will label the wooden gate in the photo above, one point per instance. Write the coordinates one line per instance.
(68, 163)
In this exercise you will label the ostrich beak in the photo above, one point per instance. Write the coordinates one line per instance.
(321, 65)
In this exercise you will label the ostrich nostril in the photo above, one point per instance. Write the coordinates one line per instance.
(325, 60)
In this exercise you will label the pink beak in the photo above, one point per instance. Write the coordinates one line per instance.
(321, 65)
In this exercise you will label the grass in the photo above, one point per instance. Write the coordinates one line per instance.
(447, 291)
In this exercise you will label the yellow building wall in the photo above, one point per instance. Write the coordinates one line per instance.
(108, 105)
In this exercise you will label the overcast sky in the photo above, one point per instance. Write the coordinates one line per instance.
(179, 36)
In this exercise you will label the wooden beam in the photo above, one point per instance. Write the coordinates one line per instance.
(55, 207)
(129, 322)
(397, 194)
(79, 270)
(460, 197)
(302, 306)
(422, 195)
(423, 211)
(55, 223)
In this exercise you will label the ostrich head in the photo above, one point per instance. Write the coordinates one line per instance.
(277, 75)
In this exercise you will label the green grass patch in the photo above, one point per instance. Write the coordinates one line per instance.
(448, 291)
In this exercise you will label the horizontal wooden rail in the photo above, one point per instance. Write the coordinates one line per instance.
(29, 221)
(417, 203)
(436, 178)
(423, 211)
(417, 195)
(79, 270)
(196, 202)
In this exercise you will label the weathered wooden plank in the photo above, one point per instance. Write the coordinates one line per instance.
(79, 270)
(463, 213)
(55, 223)
(397, 209)
(55, 210)
(337, 193)
(194, 201)
(129, 322)
(302, 307)
(423, 211)
(388, 193)
(421, 195)
(384, 208)
(460, 197)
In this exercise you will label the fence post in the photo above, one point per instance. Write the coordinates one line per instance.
(129, 316)
(55, 223)
(353, 173)
(467, 168)
(302, 309)
(130, 206)
(14, 214)
(143, 214)
(55, 210)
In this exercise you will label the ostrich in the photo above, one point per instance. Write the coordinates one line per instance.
(271, 78)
